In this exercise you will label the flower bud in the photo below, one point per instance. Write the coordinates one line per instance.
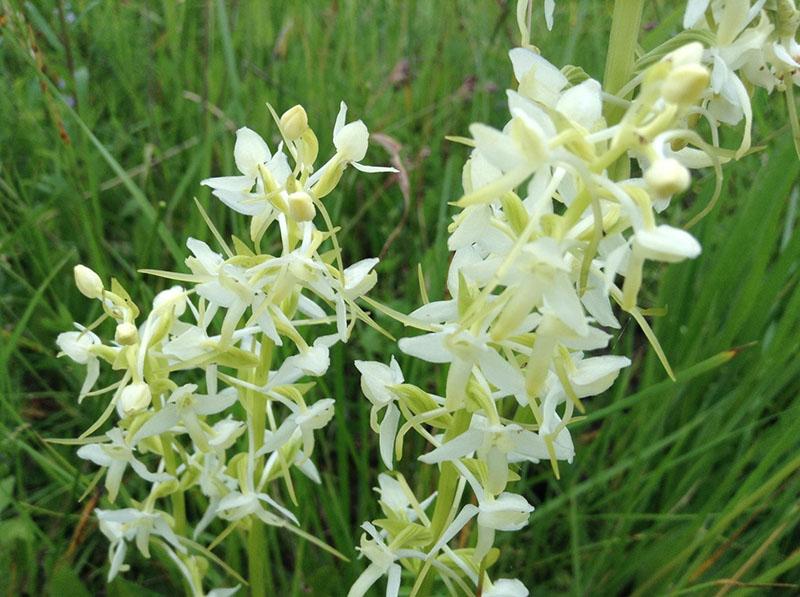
(134, 398)
(126, 334)
(301, 206)
(351, 141)
(685, 84)
(174, 297)
(88, 282)
(691, 53)
(294, 122)
(667, 176)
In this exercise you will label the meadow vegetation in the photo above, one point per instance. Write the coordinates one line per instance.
(112, 112)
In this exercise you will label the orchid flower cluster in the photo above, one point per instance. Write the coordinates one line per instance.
(552, 232)
(749, 45)
(205, 408)
(559, 216)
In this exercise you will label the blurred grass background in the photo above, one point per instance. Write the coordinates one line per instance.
(112, 112)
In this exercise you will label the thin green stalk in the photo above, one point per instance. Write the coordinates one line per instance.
(257, 559)
(620, 60)
(178, 502)
(257, 568)
(446, 490)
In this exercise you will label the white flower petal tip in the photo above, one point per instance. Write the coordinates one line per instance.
(666, 243)
(667, 176)
(250, 151)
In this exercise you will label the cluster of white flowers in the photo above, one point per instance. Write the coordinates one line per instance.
(750, 43)
(202, 404)
(557, 221)
(547, 240)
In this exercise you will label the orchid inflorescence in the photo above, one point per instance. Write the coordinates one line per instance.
(206, 354)
(558, 218)
(553, 230)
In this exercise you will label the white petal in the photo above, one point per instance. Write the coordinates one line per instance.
(666, 243)
(459, 522)
(506, 587)
(393, 580)
(372, 169)
(392, 493)
(92, 373)
(352, 140)
(428, 347)
(582, 104)
(500, 373)
(549, 8)
(538, 78)
(508, 512)
(249, 151)
(309, 308)
(95, 453)
(498, 148)
(530, 445)
(437, 312)
(230, 183)
(388, 431)
(159, 423)
(242, 202)
(458, 447)
(141, 470)
(355, 274)
(210, 405)
(694, 10)
(279, 168)
(561, 298)
(340, 118)
(210, 260)
(365, 581)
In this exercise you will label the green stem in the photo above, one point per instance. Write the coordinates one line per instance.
(446, 490)
(257, 555)
(257, 568)
(620, 60)
(178, 503)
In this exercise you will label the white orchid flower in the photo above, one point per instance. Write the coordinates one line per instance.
(464, 350)
(506, 512)
(397, 501)
(121, 526)
(306, 419)
(359, 279)
(351, 141)
(229, 286)
(594, 375)
(247, 500)
(185, 407)
(215, 484)
(250, 153)
(383, 562)
(739, 47)
(506, 587)
(116, 456)
(375, 381)
(78, 346)
(497, 445)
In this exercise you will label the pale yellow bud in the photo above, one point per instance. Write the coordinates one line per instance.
(134, 398)
(301, 206)
(667, 176)
(685, 84)
(88, 282)
(126, 334)
(691, 53)
(294, 122)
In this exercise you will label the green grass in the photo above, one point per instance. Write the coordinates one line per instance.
(104, 136)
